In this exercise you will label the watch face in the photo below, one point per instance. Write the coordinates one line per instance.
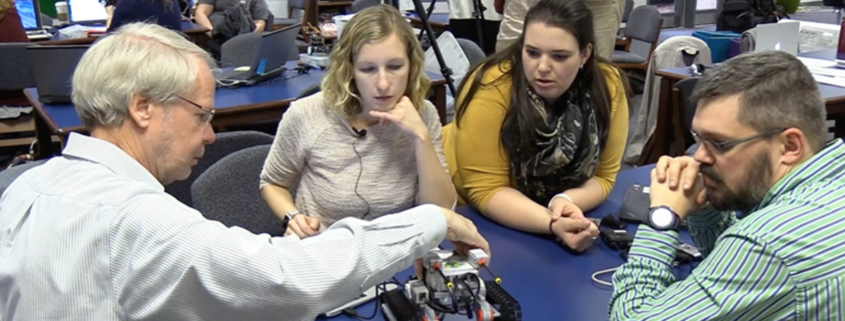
(662, 218)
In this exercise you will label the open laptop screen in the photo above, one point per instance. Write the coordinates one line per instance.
(29, 14)
(87, 11)
(275, 48)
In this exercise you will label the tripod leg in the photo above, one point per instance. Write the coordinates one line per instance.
(444, 69)
(478, 12)
(428, 14)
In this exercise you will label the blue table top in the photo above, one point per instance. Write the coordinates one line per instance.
(550, 282)
(226, 100)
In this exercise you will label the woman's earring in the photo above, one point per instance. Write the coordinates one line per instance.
(582, 66)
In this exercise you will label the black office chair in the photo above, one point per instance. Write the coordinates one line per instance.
(313, 89)
(228, 192)
(227, 143)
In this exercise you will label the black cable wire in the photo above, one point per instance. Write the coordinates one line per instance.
(361, 164)
(381, 287)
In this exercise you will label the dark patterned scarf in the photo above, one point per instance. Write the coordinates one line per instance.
(568, 146)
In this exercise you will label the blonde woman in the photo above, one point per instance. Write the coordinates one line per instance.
(369, 144)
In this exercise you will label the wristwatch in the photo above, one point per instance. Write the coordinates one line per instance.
(663, 218)
(289, 216)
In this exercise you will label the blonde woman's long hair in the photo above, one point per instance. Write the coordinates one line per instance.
(368, 26)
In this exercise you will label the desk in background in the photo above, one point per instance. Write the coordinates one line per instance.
(342, 4)
(550, 282)
(194, 31)
(669, 133)
(233, 106)
(439, 21)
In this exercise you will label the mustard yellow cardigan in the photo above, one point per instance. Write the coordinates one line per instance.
(476, 157)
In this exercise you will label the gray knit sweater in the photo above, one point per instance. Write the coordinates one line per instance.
(337, 173)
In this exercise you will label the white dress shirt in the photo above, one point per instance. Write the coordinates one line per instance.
(91, 235)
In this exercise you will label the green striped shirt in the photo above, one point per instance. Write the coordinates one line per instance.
(784, 260)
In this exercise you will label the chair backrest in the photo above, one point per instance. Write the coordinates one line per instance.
(240, 50)
(643, 28)
(313, 89)
(269, 25)
(228, 192)
(644, 24)
(685, 88)
(359, 5)
(15, 62)
(297, 4)
(7, 176)
(629, 6)
(473, 52)
(227, 143)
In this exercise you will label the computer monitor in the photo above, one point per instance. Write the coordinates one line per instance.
(87, 12)
(29, 13)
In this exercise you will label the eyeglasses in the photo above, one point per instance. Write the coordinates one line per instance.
(723, 147)
(207, 115)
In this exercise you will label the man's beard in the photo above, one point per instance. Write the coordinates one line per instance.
(751, 191)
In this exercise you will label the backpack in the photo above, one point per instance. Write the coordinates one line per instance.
(236, 21)
(741, 15)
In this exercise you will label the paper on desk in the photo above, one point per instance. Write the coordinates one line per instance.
(829, 80)
(814, 62)
(825, 71)
(832, 72)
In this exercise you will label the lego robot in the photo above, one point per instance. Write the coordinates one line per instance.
(451, 285)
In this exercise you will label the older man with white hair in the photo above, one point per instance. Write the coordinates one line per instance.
(91, 235)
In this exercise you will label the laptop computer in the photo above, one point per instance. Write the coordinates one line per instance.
(30, 15)
(53, 67)
(275, 48)
(87, 12)
(781, 36)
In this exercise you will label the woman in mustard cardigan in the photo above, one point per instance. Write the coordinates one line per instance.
(540, 128)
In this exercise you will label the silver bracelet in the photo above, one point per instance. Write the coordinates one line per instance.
(291, 214)
(563, 195)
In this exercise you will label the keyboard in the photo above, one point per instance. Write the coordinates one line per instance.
(38, 34)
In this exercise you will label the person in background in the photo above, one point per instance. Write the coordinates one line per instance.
(370, 143)
(540, 128)
(216, 15)
(763, 198)
(462, 23)
(163, 12)
(607, 15)
(212, 13)
(91, 234)
(11, 29)
(110, 4)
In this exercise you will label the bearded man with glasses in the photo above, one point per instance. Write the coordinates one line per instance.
(764, 200)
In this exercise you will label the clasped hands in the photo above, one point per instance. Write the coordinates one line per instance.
(570, 226)
(668, 175)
